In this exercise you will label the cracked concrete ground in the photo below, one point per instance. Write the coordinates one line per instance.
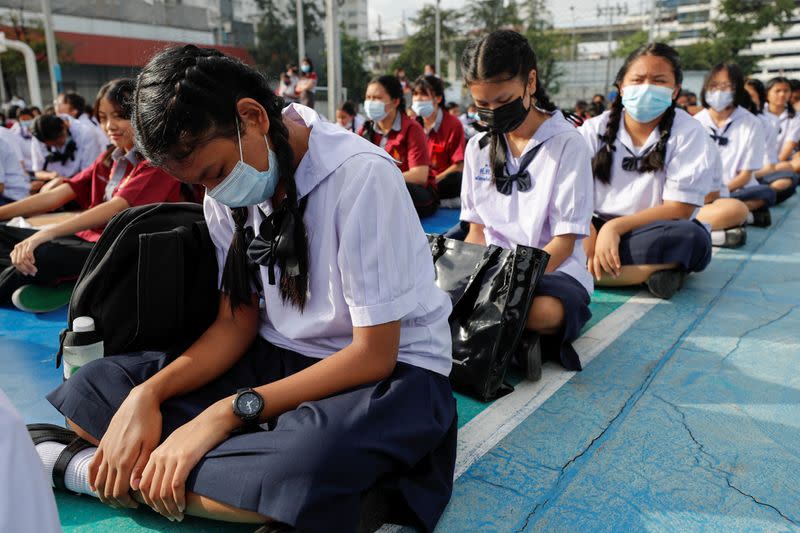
(690, 421)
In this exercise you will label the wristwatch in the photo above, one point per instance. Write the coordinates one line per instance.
(247, 405)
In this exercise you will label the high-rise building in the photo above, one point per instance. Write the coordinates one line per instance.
(353, 14)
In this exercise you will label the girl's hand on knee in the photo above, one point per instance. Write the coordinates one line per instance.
(163, 485)
(606, 252)
(22, 256)
(133, 433)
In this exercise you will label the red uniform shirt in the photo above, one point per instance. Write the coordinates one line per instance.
(406, 143)
(143, 184)
(445, 143)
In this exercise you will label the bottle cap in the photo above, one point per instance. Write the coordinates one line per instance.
(83, 324)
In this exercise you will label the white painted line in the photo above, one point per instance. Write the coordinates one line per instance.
(492, 424)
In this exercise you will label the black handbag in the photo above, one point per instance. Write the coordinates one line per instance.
(491, 289)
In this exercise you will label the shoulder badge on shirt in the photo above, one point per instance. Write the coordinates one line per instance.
(484, 174)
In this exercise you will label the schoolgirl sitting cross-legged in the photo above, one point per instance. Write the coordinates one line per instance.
(652, 170)
(326, 370)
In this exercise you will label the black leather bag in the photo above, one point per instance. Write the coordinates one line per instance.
(492, 290)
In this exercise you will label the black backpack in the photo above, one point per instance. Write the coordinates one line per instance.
(150, 282)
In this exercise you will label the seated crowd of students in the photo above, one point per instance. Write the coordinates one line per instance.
(636, 195)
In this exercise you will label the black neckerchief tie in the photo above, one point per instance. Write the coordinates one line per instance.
(503, 181)
(275, 242)
(720, 138)
(631, 163)
(54, 156)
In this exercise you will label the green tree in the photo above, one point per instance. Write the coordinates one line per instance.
(490, 15)
(30, 32)
(354, 76)
(277, 45)
(419, 48)
(551, 47)
(629, 43)
(733, 31)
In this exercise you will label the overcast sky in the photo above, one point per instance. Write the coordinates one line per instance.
(391, 12)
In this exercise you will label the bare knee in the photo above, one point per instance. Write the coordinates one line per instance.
(82, 433)
(546, 315)
(781, 184)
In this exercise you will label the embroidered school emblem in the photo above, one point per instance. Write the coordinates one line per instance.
(484, 174)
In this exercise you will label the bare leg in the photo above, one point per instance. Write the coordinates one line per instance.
(723, 213)
(781, 184)
(752, 205)
(546, 315)
(196, 505)
(633, 275)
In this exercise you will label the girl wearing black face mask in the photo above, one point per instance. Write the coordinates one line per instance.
(528, 181)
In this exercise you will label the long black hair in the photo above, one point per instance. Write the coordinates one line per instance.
(501, 56)
(780, 80)
(654, 160)
(186, 96)
(392, 85)
(120, 93)
(758, 86)
(740, 96)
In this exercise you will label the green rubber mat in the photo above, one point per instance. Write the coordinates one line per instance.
(82, 514)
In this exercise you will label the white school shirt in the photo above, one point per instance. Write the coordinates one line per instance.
(771, 136)
(687, 175)
(24, 139)
(746, 142)
(12, 175)
(369, 258)
(88, 149)
(558, 203)
(788, 127)
(26, 498)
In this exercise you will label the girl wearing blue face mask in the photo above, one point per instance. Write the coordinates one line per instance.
(445, 136)
(307, 84)
(289, 410)
(653, 167)
(389, 127)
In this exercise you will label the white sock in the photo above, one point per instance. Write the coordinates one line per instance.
(76, 478)
(750, 218)
(718, 237)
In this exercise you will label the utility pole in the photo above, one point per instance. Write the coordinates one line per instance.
(573, 44)
(50, 43)
(333, 49)
(379, 33)
(301, 32)
(610, 11)
(652, 30)
(438, 49)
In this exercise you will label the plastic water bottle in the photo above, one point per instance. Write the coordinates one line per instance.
(82, 345)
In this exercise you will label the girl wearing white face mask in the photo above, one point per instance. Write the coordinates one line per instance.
(402, 137)
(740, 139)
(445, 136)
(652, 168)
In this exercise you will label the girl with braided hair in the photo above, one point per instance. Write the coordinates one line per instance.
(653, 167)
(326, 370)
(528, 181)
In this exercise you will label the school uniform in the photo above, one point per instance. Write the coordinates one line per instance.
(89, 122)
(771, 138)
(446, 148)
(126, 175)
(558, 202)
(26, 499)
(369, 264)
(63, 160)
(406, 143)
(788, 127)
(24, 140)
(16, 182)
(741, 143)
(687, 177)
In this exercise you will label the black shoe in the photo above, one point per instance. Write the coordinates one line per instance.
(762, 218)
(529, 356)
(665, 283)
(275, 527)
(784, 194)
(49, 432)
(734, 238)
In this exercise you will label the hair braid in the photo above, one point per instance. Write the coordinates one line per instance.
(601, 162)
(655, 160)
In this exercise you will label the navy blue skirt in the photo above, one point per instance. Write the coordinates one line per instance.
(685, 242)
(312, 466)
(575, 300)
(756, 192)
(775, 176)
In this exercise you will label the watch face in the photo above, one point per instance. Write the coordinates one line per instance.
(248, 403)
